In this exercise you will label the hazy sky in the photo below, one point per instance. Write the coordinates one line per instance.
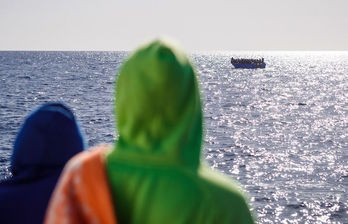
(198, 24)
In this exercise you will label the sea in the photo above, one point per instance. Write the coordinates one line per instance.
(280, 132)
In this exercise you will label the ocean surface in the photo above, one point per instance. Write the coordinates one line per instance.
(281, 132)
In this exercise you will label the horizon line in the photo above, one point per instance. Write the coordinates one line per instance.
(193, 51)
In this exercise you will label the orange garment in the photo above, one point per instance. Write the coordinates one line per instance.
(82, 194)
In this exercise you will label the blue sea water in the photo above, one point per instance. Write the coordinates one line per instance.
(281, 132)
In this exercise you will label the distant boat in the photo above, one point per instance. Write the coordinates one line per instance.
(248, 63)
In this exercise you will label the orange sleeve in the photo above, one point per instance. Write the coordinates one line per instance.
(82, 194)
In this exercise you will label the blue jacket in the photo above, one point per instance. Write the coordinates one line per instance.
(48, 138)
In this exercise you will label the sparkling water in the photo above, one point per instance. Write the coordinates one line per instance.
(281, 132)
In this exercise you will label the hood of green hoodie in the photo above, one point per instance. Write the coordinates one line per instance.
(158, 108)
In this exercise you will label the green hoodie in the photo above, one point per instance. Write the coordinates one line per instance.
(155, 171)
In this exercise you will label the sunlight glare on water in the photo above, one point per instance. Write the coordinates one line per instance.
(282, 132)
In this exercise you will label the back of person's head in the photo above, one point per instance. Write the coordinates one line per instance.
(155, 167)
(158, 107)
(48, 138)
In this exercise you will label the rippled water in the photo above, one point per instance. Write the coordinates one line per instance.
(282, 132)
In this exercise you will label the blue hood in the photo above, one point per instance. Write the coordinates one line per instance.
(46, 141)
(48, 138)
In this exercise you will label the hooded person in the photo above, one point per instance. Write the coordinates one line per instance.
(154, 171)
(48, 138)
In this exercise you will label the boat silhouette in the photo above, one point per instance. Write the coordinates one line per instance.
(248, 63)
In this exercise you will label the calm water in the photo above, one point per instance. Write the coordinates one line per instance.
(282, 132)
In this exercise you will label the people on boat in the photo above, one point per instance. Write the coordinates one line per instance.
(153, 172)
(48, 138)
(247, 61)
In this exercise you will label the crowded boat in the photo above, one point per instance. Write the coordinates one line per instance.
(248, 63)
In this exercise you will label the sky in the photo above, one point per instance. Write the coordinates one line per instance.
(199, 25)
